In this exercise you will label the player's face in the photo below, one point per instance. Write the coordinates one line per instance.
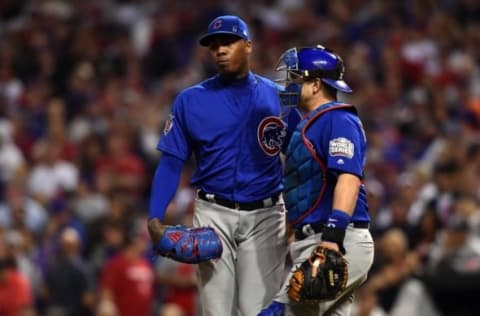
(230, 55)
(308, 94)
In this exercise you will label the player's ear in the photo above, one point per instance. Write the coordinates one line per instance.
(248, 47)
(317, 85)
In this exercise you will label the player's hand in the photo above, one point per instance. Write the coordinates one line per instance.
(156, 230)
(328, 245)
(323, 276)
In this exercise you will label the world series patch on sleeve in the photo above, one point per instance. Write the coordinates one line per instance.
(341, 147)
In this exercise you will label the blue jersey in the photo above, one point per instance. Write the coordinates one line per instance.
(329, 141)
(235, 133)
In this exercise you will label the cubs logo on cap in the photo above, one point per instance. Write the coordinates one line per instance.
(217, 24)
(226, 24)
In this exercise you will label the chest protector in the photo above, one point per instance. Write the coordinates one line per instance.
(305, 170)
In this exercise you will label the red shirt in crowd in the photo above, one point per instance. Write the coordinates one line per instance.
(15, 293)
(184, 297)
(131, 283)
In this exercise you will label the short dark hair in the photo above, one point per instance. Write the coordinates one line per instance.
(330, 91)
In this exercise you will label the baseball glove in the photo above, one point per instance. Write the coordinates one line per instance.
(189, 245)
(323, 276)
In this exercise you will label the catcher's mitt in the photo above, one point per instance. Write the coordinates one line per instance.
(321, 277)
(189, 245)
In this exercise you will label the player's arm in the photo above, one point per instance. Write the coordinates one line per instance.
(346, 192)
(346, 157)
(181, 243)
(164, 185)
(344, 200)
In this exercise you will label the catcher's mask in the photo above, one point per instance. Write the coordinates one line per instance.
(306, 63)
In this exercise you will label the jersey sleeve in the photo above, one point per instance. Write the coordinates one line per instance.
(346, 143)
(175, 138)
(164, 185)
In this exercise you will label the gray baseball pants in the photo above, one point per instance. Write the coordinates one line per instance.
(359, 249)
(252, 266)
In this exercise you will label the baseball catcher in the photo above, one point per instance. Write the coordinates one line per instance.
(323, 276)
(189, 245)
(324, 191)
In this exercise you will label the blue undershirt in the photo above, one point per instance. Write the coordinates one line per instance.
(164, 184)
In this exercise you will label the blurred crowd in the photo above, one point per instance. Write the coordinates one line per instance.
(86, 86)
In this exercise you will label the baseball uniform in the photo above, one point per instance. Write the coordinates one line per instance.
(234, 131)
(328, 141)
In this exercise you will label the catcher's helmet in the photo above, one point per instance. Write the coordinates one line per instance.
(308, 63)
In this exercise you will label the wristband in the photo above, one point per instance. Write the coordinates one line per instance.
(335, 227)
(338, 219)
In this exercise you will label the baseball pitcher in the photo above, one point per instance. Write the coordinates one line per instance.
(231, 124)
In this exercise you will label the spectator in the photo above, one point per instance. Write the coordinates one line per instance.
(108, 244)
(367, 304)
(19, 249)
(20, 211)
(123, 168)
(178, 283)
(397, 266)
(12, 161)
(51, 176)
(15, 290)
(453, 270)
(68, 281)
(127, 279)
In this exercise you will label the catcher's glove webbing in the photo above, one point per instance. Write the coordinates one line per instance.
(189, 245)
(321, 277)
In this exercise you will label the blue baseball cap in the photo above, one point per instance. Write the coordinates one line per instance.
(226, 24)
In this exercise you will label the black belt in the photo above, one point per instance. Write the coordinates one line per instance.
(315, 228)
(247, 206)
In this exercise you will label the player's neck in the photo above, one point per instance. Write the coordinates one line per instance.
(317, 102)
(237, 77)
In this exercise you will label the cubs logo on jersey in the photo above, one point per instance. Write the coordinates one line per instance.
(271, 135)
